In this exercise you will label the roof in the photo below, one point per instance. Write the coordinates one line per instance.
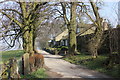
(61, 35)
(64, 34)
(88, 30)
(84, 30)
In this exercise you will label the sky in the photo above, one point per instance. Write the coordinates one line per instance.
(109, 11)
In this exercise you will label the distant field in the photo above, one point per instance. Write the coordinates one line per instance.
(6, 55)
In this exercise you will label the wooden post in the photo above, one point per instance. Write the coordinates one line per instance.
(25, 63)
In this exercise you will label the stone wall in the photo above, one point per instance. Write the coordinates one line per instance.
(10, 70)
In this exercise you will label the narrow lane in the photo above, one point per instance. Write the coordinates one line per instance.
(68, 70)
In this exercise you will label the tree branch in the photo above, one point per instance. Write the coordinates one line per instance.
(91, 19)
(11, 18)
(58, 11)
(64, 13)
(12, 10)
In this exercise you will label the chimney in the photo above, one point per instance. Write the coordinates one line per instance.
(105, 25)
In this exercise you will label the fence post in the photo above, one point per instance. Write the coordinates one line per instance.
(25, 64)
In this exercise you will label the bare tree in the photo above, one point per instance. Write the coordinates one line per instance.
(23, 23)
(96, 40)
(71, 23)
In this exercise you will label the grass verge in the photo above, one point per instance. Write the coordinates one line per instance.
(40, 73)
(95, 64)
(6, 55)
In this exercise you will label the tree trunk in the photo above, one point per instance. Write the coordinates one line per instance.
(96, 41)
(28, 40)
(119, 43)
(72, 30)
(31, 46)
(34, 47)
(34, 38)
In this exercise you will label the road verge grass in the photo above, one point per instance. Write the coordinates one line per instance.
(40, 73)
(97, 64)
